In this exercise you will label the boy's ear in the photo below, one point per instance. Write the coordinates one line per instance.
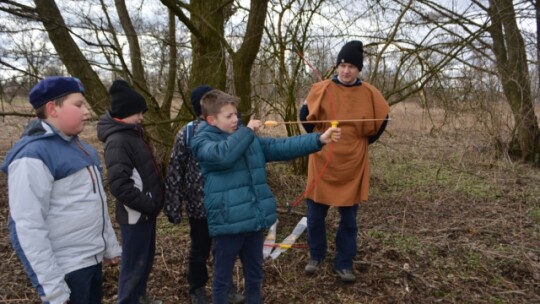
(50, 109)
(211, 120)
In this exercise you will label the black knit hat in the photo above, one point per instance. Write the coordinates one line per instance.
(196, 96)
(125, 100)
(352, 52)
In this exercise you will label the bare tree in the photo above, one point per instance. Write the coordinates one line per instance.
(106, 39)
(511, 59)
(71, 55)
(282, 76)
(138, 76)
(537, 19)
(211, 48)
(432, 45)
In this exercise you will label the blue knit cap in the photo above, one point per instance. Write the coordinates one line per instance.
(54, 87)
(196, 96)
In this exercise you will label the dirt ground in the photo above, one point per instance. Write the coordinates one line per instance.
(448, 221)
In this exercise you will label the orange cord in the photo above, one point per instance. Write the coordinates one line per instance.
(316, 180)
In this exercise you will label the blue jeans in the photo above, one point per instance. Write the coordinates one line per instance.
(138, 250)
(346, 234)
(86, 285)
(248, 246)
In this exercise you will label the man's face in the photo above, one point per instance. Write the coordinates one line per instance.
(347, 73)
(226, 120)
(69, 118)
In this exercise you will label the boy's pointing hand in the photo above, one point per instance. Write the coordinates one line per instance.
(255, 124)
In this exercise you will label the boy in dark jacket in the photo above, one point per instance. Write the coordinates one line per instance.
(135, 181)
(184, 185)
(238, 201)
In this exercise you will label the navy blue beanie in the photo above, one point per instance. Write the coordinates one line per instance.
(196, 96)
(125, 101)
(352, 52)
(54, 87)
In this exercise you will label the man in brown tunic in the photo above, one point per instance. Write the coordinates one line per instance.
(345, 181)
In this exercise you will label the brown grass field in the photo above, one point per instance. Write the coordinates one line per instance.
(449, 220)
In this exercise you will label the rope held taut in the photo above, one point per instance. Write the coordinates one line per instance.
(273, 123)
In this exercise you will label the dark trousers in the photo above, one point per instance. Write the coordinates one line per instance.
(248, 246)
(86, 285)
(201, 244)
(346, 234)
(138, 250)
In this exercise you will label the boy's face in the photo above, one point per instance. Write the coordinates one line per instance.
(69, 118)
(347, 73)
(134, 119)
(226, 120)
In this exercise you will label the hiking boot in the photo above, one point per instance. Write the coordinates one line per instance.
(234, 297)
(346, 275)
(312, 267)
(199, 296)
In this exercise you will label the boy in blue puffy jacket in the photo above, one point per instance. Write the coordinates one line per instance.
(184, 186)
(238, 201)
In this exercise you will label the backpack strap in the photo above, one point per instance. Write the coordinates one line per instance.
(189, 132)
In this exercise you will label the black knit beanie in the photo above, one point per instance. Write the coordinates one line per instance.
(352, 52)
(196, 96)
(125, 100)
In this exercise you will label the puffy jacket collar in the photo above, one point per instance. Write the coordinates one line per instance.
(107, 125)
(35, 130)
(205, 127)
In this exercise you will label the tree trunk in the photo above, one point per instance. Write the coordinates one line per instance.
(243, 59)
(173, 57)
(209, 60)
(537, 10)
(71, 56)
(511, 60)
(206, 23)
(160, 133)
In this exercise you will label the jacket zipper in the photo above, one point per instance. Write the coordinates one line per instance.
(260, 215)
(156, 167)
(95, 184)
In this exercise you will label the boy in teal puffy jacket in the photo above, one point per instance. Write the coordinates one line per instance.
(238, 200)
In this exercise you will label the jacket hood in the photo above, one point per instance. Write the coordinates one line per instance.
(35, 130)
(107, 125)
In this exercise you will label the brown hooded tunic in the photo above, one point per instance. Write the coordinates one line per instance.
(345, 181)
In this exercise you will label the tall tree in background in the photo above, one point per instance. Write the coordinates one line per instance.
(511, 61)
(536, 4)
(137, 75)
(70, 54)
(282, 72)
(210, 47)
(78, 65)
(206, 23)
(244, 57)
(474, 32)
